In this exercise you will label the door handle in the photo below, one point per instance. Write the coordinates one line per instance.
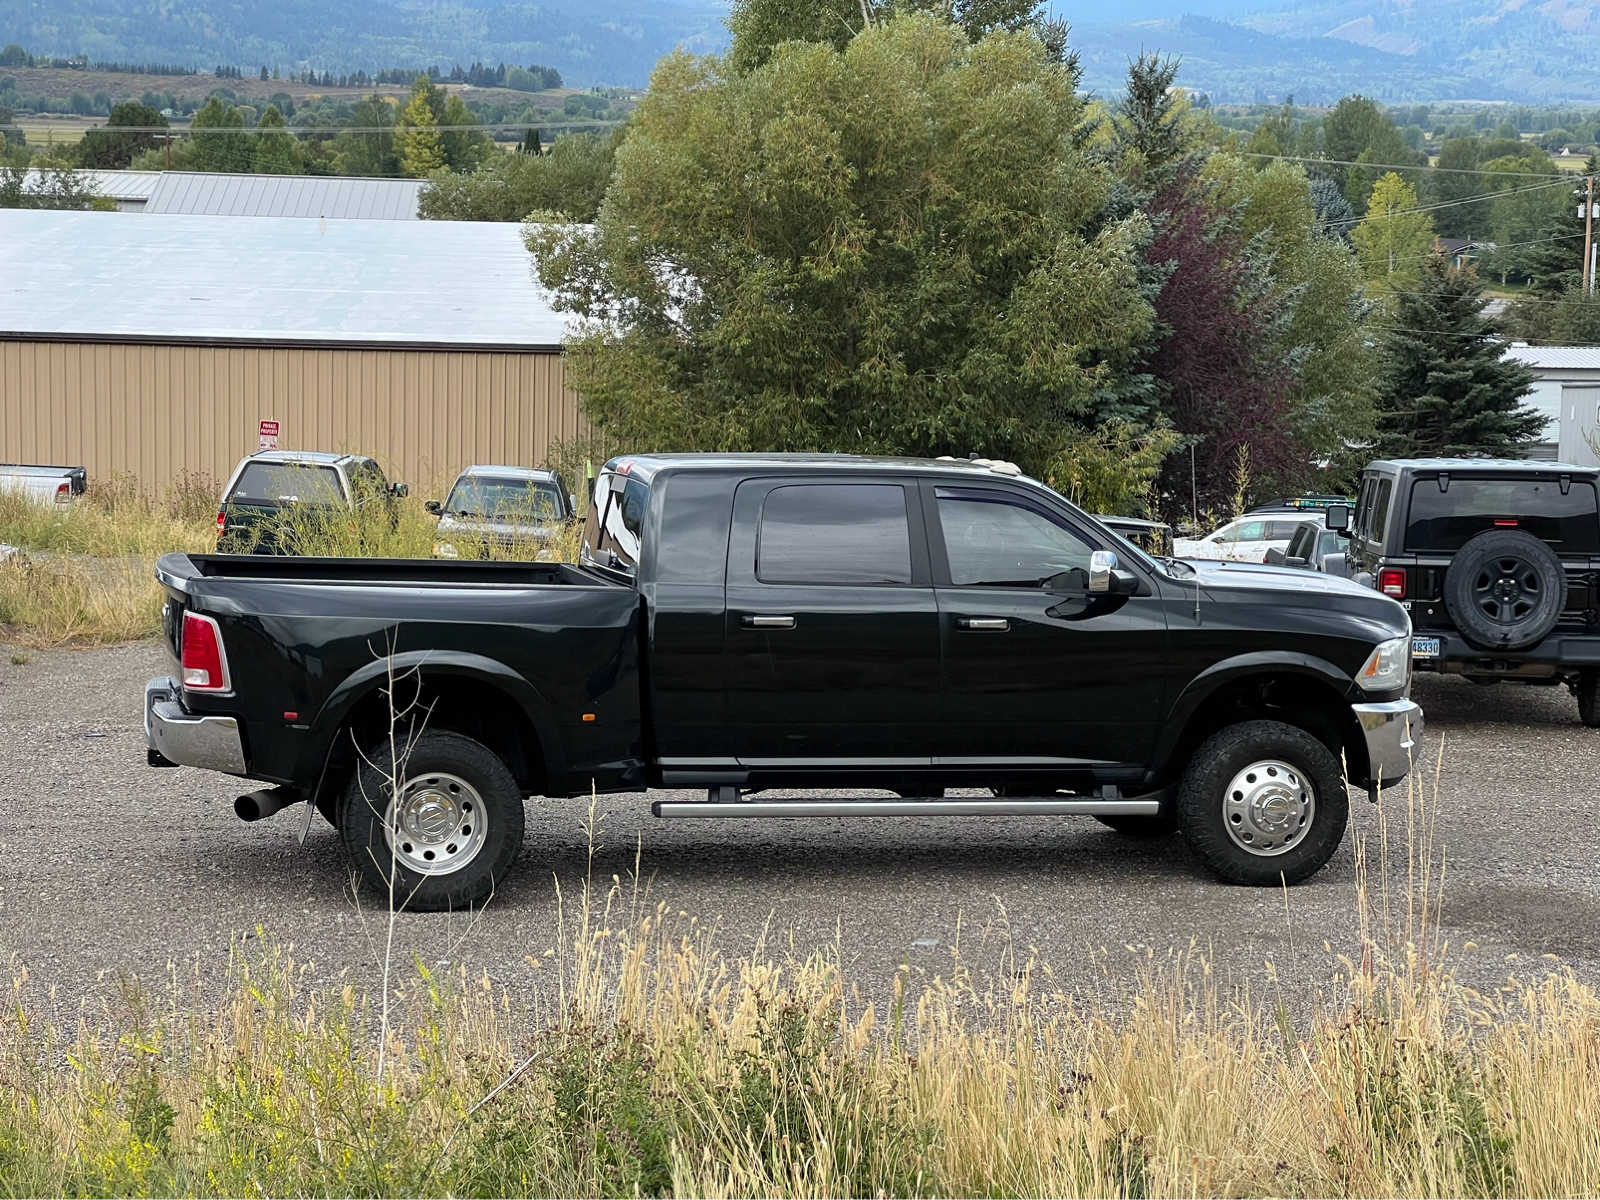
(983, 624)
(753, 621)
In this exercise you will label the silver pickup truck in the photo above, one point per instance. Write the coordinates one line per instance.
(48, 485)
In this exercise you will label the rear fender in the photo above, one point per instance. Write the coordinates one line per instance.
(372, 676)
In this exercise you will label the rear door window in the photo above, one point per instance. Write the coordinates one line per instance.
(614, 533)
(1380, 510)
(834, 533)
(1445, 520)
(287, 483)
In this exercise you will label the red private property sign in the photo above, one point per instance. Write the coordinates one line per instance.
(269, 436)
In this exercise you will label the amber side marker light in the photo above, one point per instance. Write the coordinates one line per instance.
(588, 718)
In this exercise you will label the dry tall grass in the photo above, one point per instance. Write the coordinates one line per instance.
(87, 576)
(660, 1066)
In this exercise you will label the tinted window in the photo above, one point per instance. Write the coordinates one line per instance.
(1330, 541)
(998, 542)
(498, 496)
(1281, 531)
(287, 483)
(1299, 544)
(834, 533)
(1380, 510)
(1445, 520)
(616, 521)
(1362, 522)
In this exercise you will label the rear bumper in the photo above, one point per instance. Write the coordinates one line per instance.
(1563, 652)
(176, 737)
(1392, 729)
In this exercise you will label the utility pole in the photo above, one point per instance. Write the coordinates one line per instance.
(1588, 238)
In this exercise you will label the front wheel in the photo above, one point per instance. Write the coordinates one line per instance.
(1263, 803)
(445, 834)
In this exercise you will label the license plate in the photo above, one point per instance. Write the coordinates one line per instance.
(1424, 647)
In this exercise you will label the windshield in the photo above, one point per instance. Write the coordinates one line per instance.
(504, 498)
(288, 483)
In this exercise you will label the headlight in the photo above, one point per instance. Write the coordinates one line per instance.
(444, 550)
(1388, 667)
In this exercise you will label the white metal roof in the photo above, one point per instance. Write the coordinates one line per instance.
(231, 195)
(1557, 358)
(163, 276)
(116, 185)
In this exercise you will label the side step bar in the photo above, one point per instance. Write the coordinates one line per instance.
(976, 806)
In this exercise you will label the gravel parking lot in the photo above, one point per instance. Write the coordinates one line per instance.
(109, 867)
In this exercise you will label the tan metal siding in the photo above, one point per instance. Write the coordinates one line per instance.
(152, 411)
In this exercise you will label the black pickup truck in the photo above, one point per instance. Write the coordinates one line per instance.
(742, 623)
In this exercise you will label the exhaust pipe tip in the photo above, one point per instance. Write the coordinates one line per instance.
(256, 805)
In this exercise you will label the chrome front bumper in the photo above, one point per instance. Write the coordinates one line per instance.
(176, 737)
(1392, 729)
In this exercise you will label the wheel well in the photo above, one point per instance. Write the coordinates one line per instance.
(441, 701)
(1299, 700)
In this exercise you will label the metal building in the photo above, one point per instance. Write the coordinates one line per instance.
(156, 343)
(226, 195)
(131, 190)
(1567, 392)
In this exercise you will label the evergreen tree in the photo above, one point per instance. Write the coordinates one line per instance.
(1448, 389)
(1150, 123)
(531, 143)
(1574, 320)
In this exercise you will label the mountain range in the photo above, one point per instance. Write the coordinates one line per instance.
(1532, 51)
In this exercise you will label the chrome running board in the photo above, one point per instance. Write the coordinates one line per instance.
(977, 806)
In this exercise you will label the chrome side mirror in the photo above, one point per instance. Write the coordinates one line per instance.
(1102, 565)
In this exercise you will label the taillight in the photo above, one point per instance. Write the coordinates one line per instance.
(222, 520)
(204, 667)
(1392, 583)
(63, 493)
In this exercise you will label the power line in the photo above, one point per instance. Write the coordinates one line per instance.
(303, 130)
(1344, 162)
(1532, 187)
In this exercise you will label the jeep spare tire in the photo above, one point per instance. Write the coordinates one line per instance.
(1505, 590)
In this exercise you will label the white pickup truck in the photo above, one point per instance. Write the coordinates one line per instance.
(48, 485)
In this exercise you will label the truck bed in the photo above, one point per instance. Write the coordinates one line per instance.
(175, 569)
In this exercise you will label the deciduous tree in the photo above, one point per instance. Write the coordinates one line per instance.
(1394, 239)
(889, 247)
(420, 144)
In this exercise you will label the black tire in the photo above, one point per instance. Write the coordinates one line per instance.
(1163, 824)
(1505, 590)
(455, 763)
(1589, 697)
(1203, 814)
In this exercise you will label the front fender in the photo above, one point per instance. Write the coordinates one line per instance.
(373, 675)
(1229, 670)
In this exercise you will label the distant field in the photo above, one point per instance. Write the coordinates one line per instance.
(56, 131)
(60, 84)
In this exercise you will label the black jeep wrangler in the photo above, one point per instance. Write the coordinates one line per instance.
(1498, 562)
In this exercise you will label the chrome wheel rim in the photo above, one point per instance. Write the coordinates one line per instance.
(436, 825)
(1269, 808)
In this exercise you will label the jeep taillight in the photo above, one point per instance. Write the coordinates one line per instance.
(1392, 583)
(205, 669)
